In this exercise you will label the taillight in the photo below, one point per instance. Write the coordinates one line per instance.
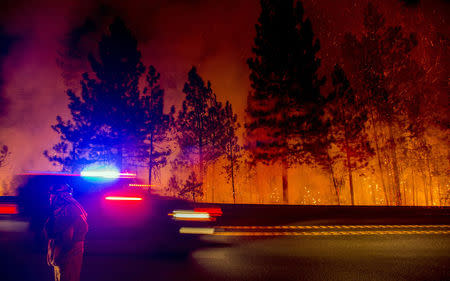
(213, 212)
(8, 209)
(198, 214)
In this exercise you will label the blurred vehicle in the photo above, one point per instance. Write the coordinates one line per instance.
(121, 211)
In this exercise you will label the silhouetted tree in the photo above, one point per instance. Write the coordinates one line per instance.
(108, 119)
(199, 124)
(381, 63)
(348, 119)
(158, 124)
(174, 186)
(192, 186)
(284, 107)
(327, 161)
(231, 146)
(426, 116)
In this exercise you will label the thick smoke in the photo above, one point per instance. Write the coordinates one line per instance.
(57, 36)
(216, 36)
(6, 42)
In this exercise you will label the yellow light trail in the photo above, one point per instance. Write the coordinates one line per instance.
(141, 185)
(330, 233)
(331, 226)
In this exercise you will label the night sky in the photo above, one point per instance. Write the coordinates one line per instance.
(44, 46)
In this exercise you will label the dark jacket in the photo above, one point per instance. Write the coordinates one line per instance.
(66, 228)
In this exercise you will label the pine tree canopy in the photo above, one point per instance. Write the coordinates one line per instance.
(200, 123)
(108, 118)
(285, 105)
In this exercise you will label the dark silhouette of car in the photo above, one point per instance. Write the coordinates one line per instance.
(122, 211)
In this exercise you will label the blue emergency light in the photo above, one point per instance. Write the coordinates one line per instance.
(104, 173)
(107, 174)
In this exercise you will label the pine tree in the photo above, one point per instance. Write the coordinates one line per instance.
(192, 186)
(173, 187)
(284, 107)
(231, 146)
(348, 119)
(108, 119)
(381, 64)
(199, 125)
(158, 124)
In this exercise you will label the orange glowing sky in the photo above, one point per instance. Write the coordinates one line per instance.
(51, 42)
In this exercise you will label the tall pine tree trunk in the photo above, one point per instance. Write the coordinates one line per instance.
(150, 163)
(350, 177)
(212, 185)
(349, 163)
(200, 157)
(440, 192)
(393, 146)
(380, 163)
(404, 187)
(413, 188)
(425, 190)
(284, 175)
(431, 179)
(333, 178)
(232, 175)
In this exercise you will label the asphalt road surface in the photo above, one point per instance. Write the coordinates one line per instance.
(239, 252)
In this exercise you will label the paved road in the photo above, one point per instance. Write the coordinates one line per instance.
(295, 252)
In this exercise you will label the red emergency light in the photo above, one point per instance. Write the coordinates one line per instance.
(8, 209)
(123, 198)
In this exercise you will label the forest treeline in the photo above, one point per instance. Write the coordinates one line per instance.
(379, 128)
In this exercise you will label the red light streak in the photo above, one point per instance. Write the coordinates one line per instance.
(8, 209)
(213, 212)
(48, 174)
(123, 198)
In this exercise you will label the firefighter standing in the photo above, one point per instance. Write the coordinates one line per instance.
(66, 229)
